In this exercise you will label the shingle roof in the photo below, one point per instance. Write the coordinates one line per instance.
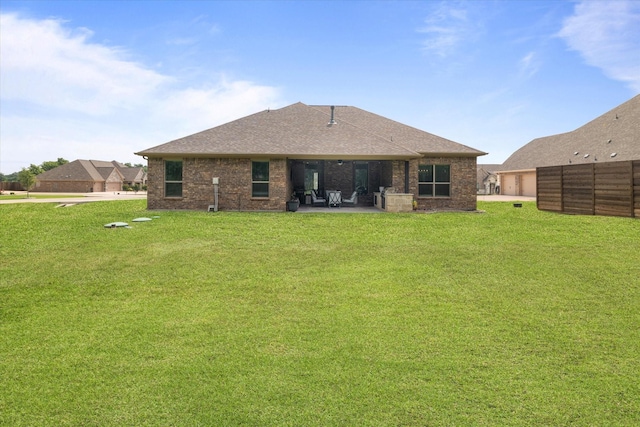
(129, 174)
(616, 131)
(303, 131)
(82, 170)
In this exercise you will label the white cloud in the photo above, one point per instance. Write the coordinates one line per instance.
(225, 101)
(448, 27)
(529, 65)
(48, 65)
(607, 35)
(63, 95)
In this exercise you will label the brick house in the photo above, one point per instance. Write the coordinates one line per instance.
(614, 136)
(261, 160)
(85, 176)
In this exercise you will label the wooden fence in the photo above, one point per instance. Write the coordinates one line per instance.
(609, 188)
(10, 186)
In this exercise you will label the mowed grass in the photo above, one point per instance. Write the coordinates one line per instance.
(508, 317)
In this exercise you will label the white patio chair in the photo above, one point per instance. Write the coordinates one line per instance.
(317, 201)
(353, 200)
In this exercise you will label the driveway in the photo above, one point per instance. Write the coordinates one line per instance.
(73, 198)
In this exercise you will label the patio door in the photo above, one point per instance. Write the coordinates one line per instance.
(361, 177)
(313, 176)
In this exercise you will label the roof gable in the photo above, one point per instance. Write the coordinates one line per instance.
(77, 170)
(302, 131)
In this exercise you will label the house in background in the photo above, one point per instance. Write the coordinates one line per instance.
(258, 162)
(132, 176)
(488, 179)
(614, 136)
(85, 176)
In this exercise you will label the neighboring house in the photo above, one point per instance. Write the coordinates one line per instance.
(614, 136)
(488, 179)
(262, 159)
(131, 175)
(84, 176)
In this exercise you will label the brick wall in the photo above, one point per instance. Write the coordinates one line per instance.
(234, 192)
(235, 183)
(463, 183)
(68, 186)
(397, 173)
(338, 177)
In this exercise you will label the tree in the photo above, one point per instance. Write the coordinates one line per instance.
(140, 165)
(45, 166)
(34, 169)
(27, 179)
(137, 165)
(12, 177)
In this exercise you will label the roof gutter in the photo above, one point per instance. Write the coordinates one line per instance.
(441, 154)
(148, 156)
(515, 171)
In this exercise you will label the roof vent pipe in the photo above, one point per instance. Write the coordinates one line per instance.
(332, 121)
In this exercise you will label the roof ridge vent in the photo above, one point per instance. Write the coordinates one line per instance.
(333, 120)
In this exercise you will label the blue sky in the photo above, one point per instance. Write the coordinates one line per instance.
(103, 79)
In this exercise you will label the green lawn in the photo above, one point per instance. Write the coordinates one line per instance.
(510, 317)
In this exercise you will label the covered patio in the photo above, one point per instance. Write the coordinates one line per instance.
(361, 178)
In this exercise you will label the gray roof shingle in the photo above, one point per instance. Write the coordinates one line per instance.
(616, 131)
(303, 131)
(86, 170)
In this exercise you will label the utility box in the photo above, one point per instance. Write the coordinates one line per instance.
(216, 181)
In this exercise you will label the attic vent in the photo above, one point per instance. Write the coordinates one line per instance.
(576, 153)
(614, 154)
(586, 155)
(609, 142)
(333, 120)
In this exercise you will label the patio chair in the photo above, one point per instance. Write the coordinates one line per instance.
(351, 200)
(317, 201)
(335, 198)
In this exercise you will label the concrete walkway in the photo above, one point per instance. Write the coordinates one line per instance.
(71, 198)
